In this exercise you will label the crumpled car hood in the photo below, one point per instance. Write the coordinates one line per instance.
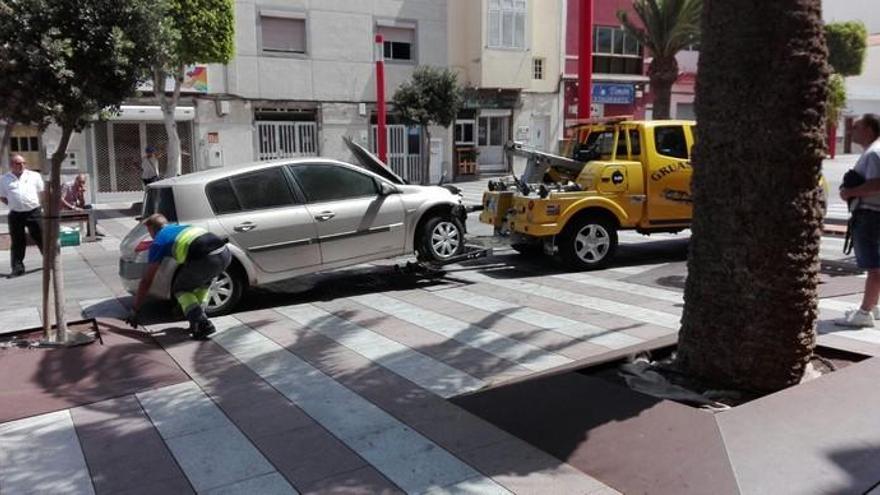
(371, 162)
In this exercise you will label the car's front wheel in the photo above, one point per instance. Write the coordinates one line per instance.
(440, 238)
(226, 291)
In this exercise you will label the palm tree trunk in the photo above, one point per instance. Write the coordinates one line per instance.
(750, 299)
(663, 73)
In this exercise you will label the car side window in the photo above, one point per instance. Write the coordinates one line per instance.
(670, 141)
(321, 183)
(267, 188)
(222, 197)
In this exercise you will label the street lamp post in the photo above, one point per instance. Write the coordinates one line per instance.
(381, 134)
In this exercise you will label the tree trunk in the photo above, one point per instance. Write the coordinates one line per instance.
(426, 155)
(751, 294)
(52, 265)
(4, 145)
(663, 73)
(173, 166)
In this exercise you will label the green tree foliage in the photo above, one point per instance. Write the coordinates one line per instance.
(847, 43)
(432, 97)
(65, 62)
(187, 32)
(667, 27)
(836, 98)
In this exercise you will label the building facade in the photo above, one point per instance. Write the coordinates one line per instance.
(620, 82)
(508, 54)
(303, 77)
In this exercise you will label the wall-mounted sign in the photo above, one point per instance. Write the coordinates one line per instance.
(615, 94)
(195, 80)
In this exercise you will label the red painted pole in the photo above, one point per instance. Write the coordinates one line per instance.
(832, 139)
(382, 132)
(585, 59)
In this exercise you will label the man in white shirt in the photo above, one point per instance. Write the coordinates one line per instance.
(866, 223)
(149, 166)
(22, 190)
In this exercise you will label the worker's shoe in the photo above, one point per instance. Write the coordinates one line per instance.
(857, 318)
(203, 330)
(875, 312)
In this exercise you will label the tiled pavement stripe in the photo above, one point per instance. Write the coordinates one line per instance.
(406, 362)
(617, 285)
(275, 426)
(509, 461)
(110, 432)
(825, 325)
(610, 323)
(541, 319)
(636, 269)
(501, 324)
(42, 454)
(527, 355)
(210, 449)
(407, 458)
(605, 305)
(473, 361)
(17, 319)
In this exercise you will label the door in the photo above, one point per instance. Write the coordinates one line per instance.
(669, 178)
(354, 221)
(540, 130)
(492, 134)
(261, 214)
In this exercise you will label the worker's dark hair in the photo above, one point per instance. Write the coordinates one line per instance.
(872, 121)
(156, 221)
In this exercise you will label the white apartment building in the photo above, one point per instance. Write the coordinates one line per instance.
(303, 77)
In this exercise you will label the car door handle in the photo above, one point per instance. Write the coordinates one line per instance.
(324, 216)
(245, 227)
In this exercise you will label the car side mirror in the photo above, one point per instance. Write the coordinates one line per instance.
(386, 189)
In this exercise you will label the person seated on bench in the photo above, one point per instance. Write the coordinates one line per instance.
(73, 198)
(73, 194)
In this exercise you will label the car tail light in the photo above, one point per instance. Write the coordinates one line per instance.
(143, 245)
(531, 205)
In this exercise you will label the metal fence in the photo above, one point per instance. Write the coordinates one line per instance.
(286, 139)
(403, 152)
(119, 148)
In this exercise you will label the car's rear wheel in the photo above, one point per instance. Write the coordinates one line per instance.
(440, 238)
(226, 291)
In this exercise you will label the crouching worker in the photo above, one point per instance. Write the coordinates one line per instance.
(201, 255)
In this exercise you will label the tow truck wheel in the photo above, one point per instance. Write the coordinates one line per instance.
(440, 238)
(588, 243)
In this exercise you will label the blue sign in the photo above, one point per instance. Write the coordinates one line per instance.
(615, 94)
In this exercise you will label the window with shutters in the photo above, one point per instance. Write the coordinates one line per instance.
(538, 68)
(282, 34)
(506, 24)
(400, 42)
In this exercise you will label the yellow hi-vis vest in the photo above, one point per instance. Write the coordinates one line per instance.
(183, 241)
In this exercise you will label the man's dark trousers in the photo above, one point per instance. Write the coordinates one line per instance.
(18, 221)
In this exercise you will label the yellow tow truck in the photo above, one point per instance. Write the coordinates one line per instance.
(615, 174)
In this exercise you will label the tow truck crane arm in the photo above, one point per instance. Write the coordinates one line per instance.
(539, 163)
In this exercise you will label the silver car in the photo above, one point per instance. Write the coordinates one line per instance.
(294, 217)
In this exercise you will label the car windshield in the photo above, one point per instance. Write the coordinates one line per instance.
(160, 200)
